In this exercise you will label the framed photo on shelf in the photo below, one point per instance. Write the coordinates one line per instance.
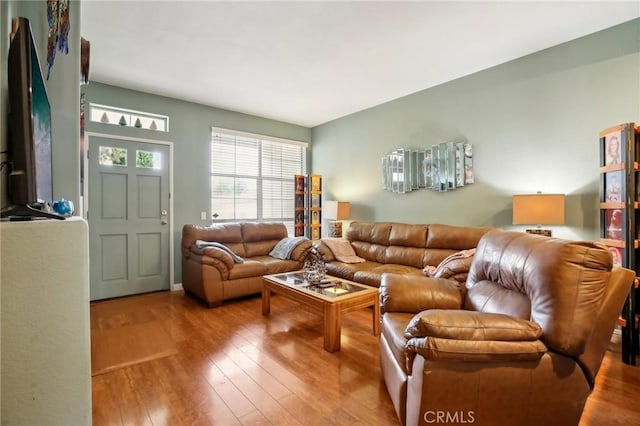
(613, 142)
(316, 183)
(614, 226)
(614, 187)
(315, 217)
(315, 232)
(618, 255)
(300, 186)
(613, 152)
(316, 200)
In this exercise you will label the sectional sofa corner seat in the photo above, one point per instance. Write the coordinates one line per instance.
(211, 274)
(401, 248)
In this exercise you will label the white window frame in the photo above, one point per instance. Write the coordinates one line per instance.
(288, 216)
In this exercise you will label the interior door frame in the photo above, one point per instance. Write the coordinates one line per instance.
(85, 188)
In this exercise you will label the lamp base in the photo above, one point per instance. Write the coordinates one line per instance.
(538, 231)
(335, 230)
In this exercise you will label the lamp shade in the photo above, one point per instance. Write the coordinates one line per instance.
(538, 209)
(337, 210)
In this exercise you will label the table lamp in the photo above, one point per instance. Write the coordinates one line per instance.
(336, 211)
(538, 209)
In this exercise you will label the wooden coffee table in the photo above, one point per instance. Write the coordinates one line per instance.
(340, 297)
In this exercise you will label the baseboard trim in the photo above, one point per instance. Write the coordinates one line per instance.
(176, 287)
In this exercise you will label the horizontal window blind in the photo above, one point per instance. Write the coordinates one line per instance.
(252, 176)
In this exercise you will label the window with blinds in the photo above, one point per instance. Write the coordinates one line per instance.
(252, 177)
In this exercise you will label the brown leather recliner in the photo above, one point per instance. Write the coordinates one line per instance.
(520, 345)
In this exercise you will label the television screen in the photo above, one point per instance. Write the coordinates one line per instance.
(41, 116)
(30, 182)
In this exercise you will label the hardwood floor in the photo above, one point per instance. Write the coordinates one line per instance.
(234, 366)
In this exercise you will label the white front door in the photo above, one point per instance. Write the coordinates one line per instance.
(128, 215)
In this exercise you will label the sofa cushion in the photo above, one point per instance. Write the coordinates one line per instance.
(410, 256)
(277, 266)
(250, 268)
(406, 235)
(224, 233)
(348, 270)
(454, 237)
(373, 276)
(373, 232)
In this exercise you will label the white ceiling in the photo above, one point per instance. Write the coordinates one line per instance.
(311, 62)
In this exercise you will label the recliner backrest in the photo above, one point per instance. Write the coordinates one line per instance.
(556, 283)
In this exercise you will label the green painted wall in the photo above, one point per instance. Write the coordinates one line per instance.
(190, 131)
(63, 88)
(533, 122)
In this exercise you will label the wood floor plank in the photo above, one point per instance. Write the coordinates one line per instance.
(233, 366)
(230, 394)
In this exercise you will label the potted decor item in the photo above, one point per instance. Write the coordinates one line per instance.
(314, 268)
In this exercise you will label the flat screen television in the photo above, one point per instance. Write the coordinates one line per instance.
(30, 183)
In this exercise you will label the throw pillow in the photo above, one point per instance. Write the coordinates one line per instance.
(342, 250)
(456, 263)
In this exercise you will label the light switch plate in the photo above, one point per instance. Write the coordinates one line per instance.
(203, 215)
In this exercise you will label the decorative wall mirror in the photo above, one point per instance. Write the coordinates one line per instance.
(443, 167)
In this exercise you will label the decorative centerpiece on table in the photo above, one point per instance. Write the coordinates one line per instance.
(314, 268)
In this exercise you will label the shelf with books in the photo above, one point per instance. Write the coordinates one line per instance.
(620, 218)
(308, 206)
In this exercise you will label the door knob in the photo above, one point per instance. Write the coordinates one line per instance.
(164, 221)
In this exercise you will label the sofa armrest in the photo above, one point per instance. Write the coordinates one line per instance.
(325, 251)
(471, 325)
(450, 350)
(415, 293)
(456, 335)
(217, 258)
(301, 251)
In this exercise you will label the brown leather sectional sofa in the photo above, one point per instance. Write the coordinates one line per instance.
(401, 248)
(211, 274)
